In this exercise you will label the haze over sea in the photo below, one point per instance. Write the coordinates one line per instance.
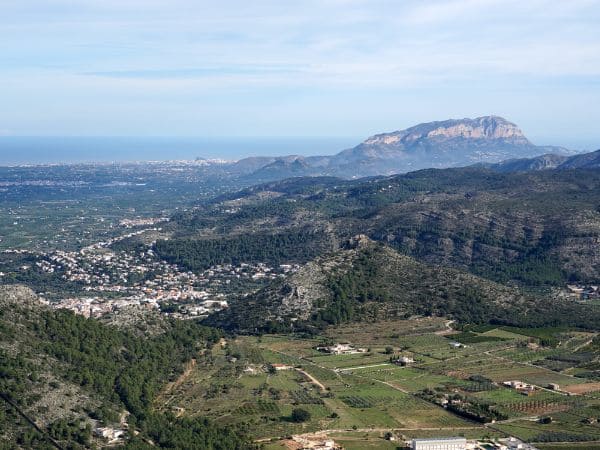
(18, 150)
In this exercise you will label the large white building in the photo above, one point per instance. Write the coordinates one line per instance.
(439, 444)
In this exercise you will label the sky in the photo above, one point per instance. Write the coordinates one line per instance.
(298, 68)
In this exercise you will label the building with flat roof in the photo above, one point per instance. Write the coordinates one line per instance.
(453, 443)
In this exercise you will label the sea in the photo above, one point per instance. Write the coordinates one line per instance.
(20, 150)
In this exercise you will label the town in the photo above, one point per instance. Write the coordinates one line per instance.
(105, 280)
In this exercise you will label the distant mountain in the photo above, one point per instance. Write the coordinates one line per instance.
(583, 161)
(549, 161)
(286, 167)
(251, 164)
(449, 143)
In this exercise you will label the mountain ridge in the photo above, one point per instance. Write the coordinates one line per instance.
(549, 161)
(438, 144)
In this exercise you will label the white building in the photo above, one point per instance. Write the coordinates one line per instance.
(439, 444)
(341, 349)
(404, 361)
(110, 434)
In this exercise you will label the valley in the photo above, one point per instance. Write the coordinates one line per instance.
(215, 305)
(362, 398)
(307, 225)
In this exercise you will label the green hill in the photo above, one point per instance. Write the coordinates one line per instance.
(369, 281)
(67, 374)
(538, 229)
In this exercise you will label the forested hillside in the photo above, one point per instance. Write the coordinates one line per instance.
(535, 229)
(198, 254)
(67, 373)
(368, 281)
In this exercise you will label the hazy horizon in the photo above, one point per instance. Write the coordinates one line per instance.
(39, 150)
(23, 150)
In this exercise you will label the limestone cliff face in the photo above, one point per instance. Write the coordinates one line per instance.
(488, 127)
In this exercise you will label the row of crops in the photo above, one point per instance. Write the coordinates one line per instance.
(302, 397)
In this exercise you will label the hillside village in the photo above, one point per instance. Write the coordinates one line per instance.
(106, 280)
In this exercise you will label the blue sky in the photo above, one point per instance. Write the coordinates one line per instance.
(298, 68)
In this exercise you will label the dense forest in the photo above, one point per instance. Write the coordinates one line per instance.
(433, 291)
(199, 254)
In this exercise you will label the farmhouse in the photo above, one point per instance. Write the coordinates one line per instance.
(515, 444)
(341, 349)
(316, 443)
(519, 386)
(251, 370)
(453, 443)
(110, 434)
(404, 361)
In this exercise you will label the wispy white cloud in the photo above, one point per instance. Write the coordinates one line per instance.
(145, 52)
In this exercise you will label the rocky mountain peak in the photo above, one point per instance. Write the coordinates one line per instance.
(487, 127)
(440, 144)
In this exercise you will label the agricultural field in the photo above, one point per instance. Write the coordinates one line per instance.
(454, 386)
(388, 331)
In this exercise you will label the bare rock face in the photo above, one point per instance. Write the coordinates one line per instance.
(300, 292)
(482, 128)
(17, 295)
(358, 241)
(488, 127)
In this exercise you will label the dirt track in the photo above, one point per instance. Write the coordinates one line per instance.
(581, 388)
(312, 379)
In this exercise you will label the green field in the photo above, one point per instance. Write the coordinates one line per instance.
(360, 396)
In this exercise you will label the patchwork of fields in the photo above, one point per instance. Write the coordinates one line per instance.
(357, 398)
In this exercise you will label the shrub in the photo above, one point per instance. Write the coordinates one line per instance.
(300, 415)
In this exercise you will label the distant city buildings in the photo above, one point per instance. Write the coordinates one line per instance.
(131, 223)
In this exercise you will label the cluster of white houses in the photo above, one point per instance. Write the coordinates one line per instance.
(115, 279)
